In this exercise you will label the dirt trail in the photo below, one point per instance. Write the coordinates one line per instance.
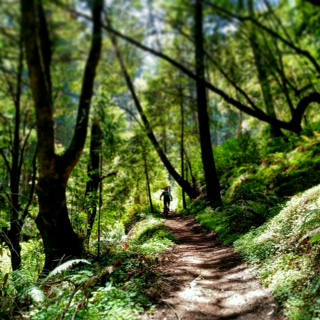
(202, 279)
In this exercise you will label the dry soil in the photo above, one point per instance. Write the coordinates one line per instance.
(202, 279)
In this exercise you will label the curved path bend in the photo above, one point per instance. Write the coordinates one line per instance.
(203, 279)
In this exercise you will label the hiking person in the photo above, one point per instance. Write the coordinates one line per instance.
(167, 197)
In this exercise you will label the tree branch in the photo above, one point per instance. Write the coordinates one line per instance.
(256, 113)
(37, 57)
(303, 105)
(314, 2)
(72, 154)
(5, 159)
(274, 34)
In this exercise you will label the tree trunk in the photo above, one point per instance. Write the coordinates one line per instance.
(239, 128)
(192, 176)
(211, 177)
(184, 203)
(16, 221)
(263, 78)
(13, 243)
(100, 207)
(60, 241)
(147, 180)
(94, 175)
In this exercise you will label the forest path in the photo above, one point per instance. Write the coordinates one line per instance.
(203, 279)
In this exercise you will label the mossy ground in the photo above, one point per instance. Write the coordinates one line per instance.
(271, 215)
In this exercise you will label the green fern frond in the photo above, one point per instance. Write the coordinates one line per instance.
(81, 276)
(305, 138)
(311, 219)
(316, 237)
(311, 223)
(36, 294)
(64, 267)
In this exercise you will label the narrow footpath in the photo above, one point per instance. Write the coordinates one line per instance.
(203, 279)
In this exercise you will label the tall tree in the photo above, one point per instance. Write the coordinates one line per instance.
(15, 143)
(59, 239)
(209, 167)
(184, 203)
(262, 73)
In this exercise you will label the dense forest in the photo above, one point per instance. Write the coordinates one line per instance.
(103, 104)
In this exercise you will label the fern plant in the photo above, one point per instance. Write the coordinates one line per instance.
(311, 225)
(35, 293)
(65, 266)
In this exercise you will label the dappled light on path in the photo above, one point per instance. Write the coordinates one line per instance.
(202, 279)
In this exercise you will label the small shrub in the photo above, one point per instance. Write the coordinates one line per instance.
(144, 229)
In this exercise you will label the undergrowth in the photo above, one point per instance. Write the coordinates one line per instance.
(271, 214)
(255, 187)
(286, 252)
(121, 285)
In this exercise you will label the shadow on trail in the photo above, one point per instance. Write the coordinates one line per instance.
(203, 279)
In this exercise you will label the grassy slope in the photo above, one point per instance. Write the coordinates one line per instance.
(271, 215)
(286, 253)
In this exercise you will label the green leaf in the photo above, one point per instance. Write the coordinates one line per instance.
(36, 294)
(315, 238)
(64, 267)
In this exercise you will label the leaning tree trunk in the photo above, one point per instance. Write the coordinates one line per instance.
(15, 174)
(59, 239)
(211, 177)
(184, 184)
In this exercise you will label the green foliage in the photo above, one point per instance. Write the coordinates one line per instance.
(256, 193)
(236, 154)
(120, 286)
(311, 224)
(144, 229)
(233, 220)
(64, 266)
(17, 291)
(113, 303)
(257, 174)
(287, 251)
(36, 294)
(156, 244)
(253, 171)
(215, 221)
(196, 206)
(278, 236)
(32, 257)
